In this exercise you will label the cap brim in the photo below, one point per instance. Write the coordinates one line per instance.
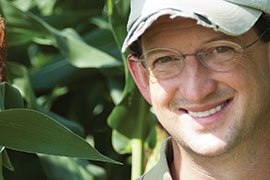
(222, 16)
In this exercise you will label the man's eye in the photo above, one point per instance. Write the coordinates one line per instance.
(222, 49)
(164, 59)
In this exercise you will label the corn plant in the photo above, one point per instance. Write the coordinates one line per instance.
(72, 89)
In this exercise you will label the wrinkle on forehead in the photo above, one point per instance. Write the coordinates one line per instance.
(164, 24)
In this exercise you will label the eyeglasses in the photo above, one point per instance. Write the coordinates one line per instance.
(218, 56)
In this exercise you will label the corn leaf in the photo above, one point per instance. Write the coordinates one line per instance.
(33, 132)
(77, 52)
(6, 161)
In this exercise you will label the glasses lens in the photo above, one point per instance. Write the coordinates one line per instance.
(220, 55)
(217, 56)
(163, 63)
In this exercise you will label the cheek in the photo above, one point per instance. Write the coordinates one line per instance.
(160, 102)
(159, 96)
(253, 81)
(162, 91)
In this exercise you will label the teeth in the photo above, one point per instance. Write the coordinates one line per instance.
(208, 112)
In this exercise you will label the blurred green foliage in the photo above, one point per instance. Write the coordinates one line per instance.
(64, 58)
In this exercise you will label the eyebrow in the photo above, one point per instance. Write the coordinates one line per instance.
(218, 37)
(222, 36)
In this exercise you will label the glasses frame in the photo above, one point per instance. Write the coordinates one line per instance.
(240, 50)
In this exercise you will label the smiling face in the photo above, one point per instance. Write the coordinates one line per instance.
(206, 112)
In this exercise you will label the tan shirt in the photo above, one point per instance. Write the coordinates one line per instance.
(161, 170)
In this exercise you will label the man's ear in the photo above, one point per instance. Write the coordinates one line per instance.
(140, 76)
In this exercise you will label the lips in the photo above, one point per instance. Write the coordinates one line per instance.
(209, 112)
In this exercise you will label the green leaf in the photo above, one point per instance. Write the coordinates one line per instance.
(47, 7)
(15, 39)
(18, 77)
(130, 120)
(132, 124)
(6, 161)
(118, 15)
(59, 72)
(1, 167)
(77, 52)
(68, 18)
(74, 127)
(24, 4)
(80, 54)
(103, 39)
(33, 132)
(21, 22)
(66, 168)
(121, 143)
(116, 88)
(10, 97)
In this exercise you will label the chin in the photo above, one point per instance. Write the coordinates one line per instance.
(209, 146)
(210, 151)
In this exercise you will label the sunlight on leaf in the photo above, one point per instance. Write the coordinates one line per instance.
(70, 169)
(77, 52)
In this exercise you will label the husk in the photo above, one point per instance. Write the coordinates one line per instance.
(3, 48)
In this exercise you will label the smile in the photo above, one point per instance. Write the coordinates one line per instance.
(208, 112)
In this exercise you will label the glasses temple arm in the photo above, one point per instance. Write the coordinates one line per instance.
(247, 46)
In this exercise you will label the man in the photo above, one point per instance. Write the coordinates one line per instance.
(204, 66)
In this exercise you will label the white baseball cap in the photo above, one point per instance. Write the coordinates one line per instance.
(232, 17)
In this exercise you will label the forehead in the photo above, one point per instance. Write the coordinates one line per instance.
(181, 32)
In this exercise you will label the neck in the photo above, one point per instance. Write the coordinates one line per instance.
(248, 161)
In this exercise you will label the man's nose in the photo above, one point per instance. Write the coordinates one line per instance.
(196, 82)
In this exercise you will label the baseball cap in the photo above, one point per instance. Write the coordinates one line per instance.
(232, 17)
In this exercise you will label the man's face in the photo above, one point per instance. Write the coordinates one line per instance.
(238, 99)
